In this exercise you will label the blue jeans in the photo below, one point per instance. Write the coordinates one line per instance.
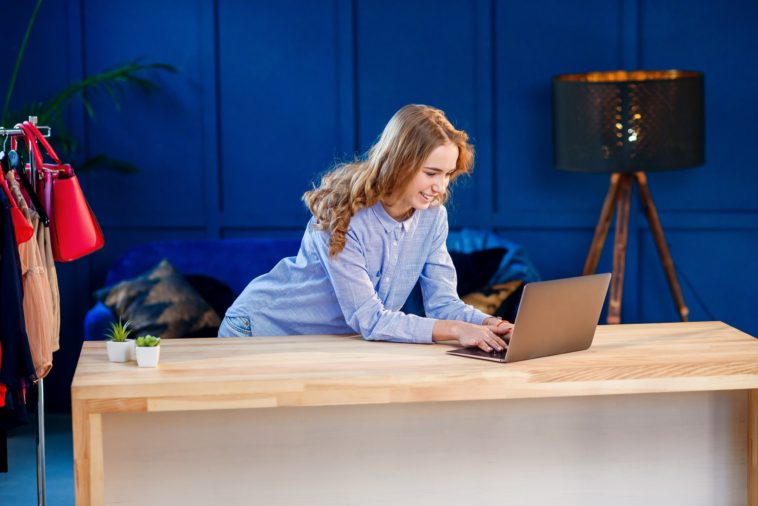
(235, 326)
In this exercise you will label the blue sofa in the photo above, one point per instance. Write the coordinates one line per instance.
(234, 262)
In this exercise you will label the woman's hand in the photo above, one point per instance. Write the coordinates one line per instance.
(485, 337)
(493, 320)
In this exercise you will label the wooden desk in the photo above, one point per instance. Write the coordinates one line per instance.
(337, 420)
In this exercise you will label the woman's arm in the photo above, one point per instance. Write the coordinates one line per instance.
(439, 281)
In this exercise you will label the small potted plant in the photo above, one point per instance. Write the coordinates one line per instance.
(118, 345)
(148, 350)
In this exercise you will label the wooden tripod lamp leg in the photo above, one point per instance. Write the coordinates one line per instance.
(601, 229)
(660, 242)
(619, 248)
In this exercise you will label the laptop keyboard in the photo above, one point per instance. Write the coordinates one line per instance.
(491, 354)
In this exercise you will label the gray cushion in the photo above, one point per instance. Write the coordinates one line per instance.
(162, 303)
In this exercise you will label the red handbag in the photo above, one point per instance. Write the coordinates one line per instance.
(73, 227)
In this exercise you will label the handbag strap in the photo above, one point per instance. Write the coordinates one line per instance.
(31, 144)
(32, 129)
(33, 136)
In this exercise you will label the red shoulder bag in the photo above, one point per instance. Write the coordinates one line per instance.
(74, 230)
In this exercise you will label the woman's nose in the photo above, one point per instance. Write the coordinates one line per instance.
(438, 187)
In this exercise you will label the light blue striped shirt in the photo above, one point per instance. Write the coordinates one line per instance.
(362, 289)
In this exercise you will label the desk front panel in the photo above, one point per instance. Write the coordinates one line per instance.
(684, 448)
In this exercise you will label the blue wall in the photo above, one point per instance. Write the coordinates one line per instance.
(269, 94)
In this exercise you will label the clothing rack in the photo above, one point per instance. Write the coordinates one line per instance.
(10, 132)
(41, 485)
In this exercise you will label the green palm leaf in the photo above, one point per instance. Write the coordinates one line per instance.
(111, 82)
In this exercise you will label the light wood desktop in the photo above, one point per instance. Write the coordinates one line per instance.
(650, 414)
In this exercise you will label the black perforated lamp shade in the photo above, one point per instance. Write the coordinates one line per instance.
(628, 121)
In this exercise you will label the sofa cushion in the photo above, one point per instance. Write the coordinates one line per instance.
(498, 300)
(219, 296)
(161, 302)
(475, 269)
(97, 321)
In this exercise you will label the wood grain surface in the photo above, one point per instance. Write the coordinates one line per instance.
(336, 370)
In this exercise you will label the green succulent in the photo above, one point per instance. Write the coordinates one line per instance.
(118, 332)
(148, 341)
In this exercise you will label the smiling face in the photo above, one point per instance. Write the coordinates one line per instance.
(429, 183)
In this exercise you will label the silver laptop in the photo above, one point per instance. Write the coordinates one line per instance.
(554, 317)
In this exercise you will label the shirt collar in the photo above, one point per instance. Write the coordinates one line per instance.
(389, 223)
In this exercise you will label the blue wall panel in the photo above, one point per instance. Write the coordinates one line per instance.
(414, 52)
(716, 271)
(719, 39)
(279, 106)
(46, 68)
(535, 41)
(419, 52)
(161, 132)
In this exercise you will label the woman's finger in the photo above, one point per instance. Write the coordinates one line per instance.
(495, 341)
(501, 329)
(482, 345)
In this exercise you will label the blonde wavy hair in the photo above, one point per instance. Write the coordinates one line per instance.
(406, 142)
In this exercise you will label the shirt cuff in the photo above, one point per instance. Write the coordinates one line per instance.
(423, 331)
(478, 317)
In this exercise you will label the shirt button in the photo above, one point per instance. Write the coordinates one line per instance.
(395, 243)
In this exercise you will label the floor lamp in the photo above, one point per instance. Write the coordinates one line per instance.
(627, 123)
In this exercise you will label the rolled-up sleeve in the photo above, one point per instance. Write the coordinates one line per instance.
(360, 304)
(439, 281)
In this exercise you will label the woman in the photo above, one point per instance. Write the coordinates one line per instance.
(378, 227)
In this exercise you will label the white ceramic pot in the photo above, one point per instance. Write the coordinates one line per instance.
(147, 356)
(118, 352)
(132, 349)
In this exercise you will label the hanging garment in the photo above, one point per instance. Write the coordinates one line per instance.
(44, 243)
(23, 230)
(13, 166)
(16, 367)
(37, 295)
